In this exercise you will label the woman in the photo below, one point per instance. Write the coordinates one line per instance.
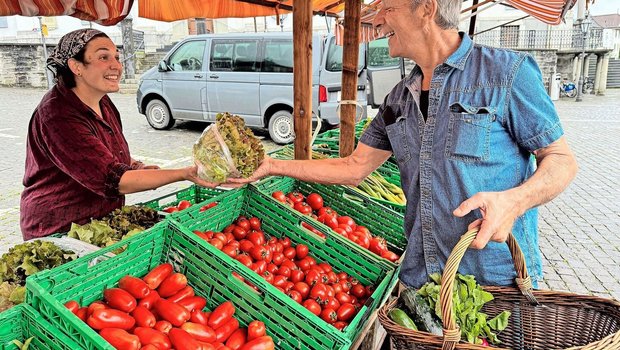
(77, 162)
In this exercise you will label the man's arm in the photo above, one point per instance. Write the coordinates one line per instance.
(556, 169)
(349, 170)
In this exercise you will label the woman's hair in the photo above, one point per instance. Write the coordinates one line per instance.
(448, 12)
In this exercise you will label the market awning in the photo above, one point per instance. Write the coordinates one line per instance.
(105, 12)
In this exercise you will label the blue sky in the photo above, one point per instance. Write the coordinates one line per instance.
(604, 7)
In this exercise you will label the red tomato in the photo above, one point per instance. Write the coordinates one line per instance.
(153, 337)
(96, 305)
(347, 220)
(295, 295)
(303, 208)
(343, 297)
(289, 253)
(256, 329)
(297, 275)
(72, 305)
(200, 317)
(217, 243)
(329, 315)
(193, 303)
(312, 277)
(295, 197)
(154, 278)
(256, 237)
(186, 292)
(221, 315)
(163, 326)
(315, 201)
(171, 209)
(231, 250)
(286, 242)
(301, 251)
(199, 331)
(378, 245)
(346, 312)
(327, 210)
(284, 271)
(319, 293)
(149, 300)
(110, 318)
(255, 223)
(303, 289)
(223, 332)
(82, 313)
(172, 285)
(120, 299)
(260, 252)
(208, 206)
(243, 223)
(181, 340)
(120, 339)
(184, 204)
(279, 196)
(340, 325)
(358, 291)
(332, 303)
(260, 343)
(172, 312)
(390, 255)
(312, 306)
(245, 260)
(144, 317)
(135, 286)
(239, 232)
(237, 338)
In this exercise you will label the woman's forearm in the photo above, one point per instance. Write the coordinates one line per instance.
(147, 179)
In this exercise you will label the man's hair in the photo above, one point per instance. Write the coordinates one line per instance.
(448, 12)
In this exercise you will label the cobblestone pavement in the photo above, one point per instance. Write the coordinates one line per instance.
(579, 230)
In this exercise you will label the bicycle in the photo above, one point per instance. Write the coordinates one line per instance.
(588, 85)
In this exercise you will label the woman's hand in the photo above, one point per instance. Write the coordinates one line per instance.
(191, 174)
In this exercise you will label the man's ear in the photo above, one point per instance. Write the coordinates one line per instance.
(430, 9)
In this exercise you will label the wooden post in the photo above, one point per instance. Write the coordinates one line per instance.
(350, 57)
(302, 77)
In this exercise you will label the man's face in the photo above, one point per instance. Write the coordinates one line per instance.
(401, 25)
(102, 69)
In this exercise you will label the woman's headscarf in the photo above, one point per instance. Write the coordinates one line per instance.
(69, 46)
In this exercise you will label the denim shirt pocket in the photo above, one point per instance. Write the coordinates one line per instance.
(469, 132)
(397, 133)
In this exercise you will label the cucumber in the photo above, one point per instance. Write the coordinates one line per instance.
(420, 309)
(400, 317)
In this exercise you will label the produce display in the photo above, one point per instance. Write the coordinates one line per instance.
(120, 224)
(334, 296)
(24, 260)
(420, 310)
(343, 225)
(376, 186)
(161, 311)
(184, 204)
(227, 149)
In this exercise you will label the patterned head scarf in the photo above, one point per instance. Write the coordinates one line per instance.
(69, 46)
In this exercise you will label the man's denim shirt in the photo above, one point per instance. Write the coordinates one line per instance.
(487, 112)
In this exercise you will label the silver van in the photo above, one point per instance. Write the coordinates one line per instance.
(248, 74)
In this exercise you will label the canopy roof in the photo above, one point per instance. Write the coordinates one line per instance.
(110, 12)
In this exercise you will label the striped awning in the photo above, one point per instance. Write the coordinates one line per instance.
(104, 12)
(548, 11)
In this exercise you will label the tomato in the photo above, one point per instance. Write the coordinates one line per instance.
(327, 210)
(346, 228)
(193, 303)
(286, 242)
(390, 255)
(268, 276)
(96, 305)
(237, 338)
(172, 285)
(120, 339)
(284, 271)
(289, 253)
(346, 312)
(200, 317)
(279, 196)
(360, 238)
(295, 295)
(171, 210)
(278, 258)
(256, 329)
(120, 299)
(110, 318)
(217, 243)
(329, 315)
(259, 252)
(256, 237)
(261, 343)
(319, 293)
(143, 317)
(149, 300)
(245, 260)
(315, 201)
(303, 289)
(186, 292)
(184, 204)
(153, 337)
(358, 291)
(312, 277)
(346, 285)
(332, 303)
(199, 331)
(295, 196)
(343, 297)
(297, 276)
(221, 315)
(208, 206)
(347, 220)
(303, 208)
(312, 306)
(340, 325)
(378, 245)
(255, 223)
(279, 281)
(231, 250)
(259, 267)
(172, 312)
(181, 340)
(301, 251)
(223, 332)
(154, 278)
(163, 326)
(303, 264)
(82, 313)
(72, 305)
(244, 224)
(135, 286)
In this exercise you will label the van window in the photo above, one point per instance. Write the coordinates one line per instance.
(334, 57)
(234, 55)
(278, 56)
(188, 57)
(379, 54)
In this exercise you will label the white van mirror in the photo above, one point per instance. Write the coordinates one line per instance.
(163, 66)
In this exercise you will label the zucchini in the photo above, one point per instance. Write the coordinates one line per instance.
(420, 309)
(400, 317)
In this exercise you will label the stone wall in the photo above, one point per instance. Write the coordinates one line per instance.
(22, 65)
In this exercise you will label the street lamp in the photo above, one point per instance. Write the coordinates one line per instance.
(584, 24)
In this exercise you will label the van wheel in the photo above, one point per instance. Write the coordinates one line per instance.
(158, 115)
(281, 129)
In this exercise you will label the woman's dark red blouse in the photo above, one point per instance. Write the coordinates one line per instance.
(74, 162)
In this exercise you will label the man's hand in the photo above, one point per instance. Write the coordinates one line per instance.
(499, 211)
(263, 170)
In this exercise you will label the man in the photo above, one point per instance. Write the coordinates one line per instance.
(463, 127)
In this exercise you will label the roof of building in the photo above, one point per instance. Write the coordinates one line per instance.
(607, 21)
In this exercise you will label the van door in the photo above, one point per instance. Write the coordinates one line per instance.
(384, 72)
(184, 86)
(233, 79)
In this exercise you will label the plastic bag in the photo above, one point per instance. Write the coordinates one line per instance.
(212, 156)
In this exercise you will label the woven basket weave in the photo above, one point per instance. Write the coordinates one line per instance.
(540, 320)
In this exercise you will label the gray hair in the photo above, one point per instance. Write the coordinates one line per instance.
(448, 12)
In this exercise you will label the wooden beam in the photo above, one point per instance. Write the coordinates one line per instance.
(302, 77)
(350, 57)
(472, 20)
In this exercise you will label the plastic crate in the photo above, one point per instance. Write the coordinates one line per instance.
(194, 194)
(379, 219)
(294, 326)
(22, 322)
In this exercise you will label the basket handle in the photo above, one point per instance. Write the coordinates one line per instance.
(451, 333)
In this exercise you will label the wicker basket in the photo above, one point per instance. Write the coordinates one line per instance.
(539, 319)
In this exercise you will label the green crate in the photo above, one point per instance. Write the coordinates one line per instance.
(194, 194)
(22, 322)
(293, 325)
(379, 219)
